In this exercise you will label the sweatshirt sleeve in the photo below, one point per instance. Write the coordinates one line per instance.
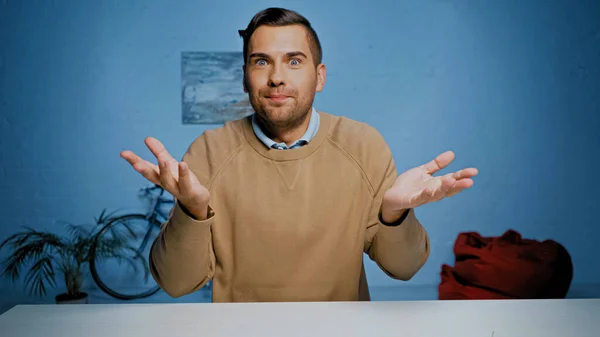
(182, 258)
(400, 250)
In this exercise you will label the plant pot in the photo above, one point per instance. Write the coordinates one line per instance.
(67, 299)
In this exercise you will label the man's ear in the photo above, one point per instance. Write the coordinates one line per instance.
(321, 77)
(244, 79)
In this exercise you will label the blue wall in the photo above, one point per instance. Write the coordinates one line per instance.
(511, 86)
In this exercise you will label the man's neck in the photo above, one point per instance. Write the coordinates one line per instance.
(285, 135)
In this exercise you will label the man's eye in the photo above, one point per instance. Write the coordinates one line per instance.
(295, 62)
(260, 62)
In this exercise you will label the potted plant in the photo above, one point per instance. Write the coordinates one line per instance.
(48, 254)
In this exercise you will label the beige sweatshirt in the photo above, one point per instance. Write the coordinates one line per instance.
(288, 225)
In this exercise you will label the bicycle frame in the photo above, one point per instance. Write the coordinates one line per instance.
(155, 212)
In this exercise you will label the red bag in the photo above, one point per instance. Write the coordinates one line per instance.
(506, 267)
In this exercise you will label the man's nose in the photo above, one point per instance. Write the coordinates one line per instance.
(276, 76)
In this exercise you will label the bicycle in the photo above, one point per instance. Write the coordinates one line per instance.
(149, 225)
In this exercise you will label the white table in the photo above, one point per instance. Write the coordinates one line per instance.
(543, 318)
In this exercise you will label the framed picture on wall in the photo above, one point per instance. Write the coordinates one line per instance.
(211, 87)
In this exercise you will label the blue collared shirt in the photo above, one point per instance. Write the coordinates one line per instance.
(313, 127)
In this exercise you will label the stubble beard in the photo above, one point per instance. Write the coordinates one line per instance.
(287, 118)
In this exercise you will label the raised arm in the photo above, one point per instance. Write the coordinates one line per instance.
(401, 247)
(396, 240)
(181, 259)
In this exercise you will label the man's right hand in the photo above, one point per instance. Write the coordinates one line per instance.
(175, 177)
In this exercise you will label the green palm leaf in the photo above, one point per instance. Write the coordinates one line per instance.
(45, 254)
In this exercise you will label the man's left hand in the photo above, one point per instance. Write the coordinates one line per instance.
(417, 186)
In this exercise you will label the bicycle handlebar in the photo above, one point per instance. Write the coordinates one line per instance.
(163, 200)
(151, 188)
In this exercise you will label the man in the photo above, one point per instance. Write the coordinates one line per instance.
(281, 205)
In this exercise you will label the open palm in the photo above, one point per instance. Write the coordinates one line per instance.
(175, 177)
(418, 186)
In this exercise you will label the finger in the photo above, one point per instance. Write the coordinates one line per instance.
(148, 172)
(185, 179)
(158, 149)
(167, 180)
(144, 167)
(465, 173)
(440, 162)
(138, 162)
(131, 157)
(459, 186)
(463, 183)
(448, 181)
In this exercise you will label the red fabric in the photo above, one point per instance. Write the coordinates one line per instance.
(506, 267)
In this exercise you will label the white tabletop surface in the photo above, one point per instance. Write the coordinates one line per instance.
(531, 318)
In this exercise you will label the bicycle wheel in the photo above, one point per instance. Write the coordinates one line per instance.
(128, 239)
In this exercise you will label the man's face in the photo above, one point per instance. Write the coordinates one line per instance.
(281, 78)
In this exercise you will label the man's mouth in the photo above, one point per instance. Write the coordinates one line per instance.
(278, 98)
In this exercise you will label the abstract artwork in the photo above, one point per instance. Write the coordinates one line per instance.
(211, 87)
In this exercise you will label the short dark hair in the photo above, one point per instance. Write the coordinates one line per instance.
(275, 16)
